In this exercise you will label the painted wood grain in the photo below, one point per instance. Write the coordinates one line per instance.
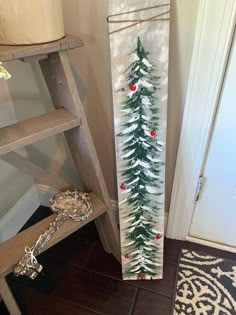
(139, 42)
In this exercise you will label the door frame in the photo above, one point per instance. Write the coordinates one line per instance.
(213, 39)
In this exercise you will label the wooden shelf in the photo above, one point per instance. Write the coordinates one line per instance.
(8, 53)
(16, 244)
(31, 130)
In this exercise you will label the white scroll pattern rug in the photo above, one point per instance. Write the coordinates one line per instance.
(206, 285)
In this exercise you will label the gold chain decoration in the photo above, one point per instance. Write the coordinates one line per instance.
(157, 17)
(73, 205)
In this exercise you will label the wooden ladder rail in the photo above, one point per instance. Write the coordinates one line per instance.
(69, 118)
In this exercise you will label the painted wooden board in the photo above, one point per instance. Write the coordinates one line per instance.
(139, 42)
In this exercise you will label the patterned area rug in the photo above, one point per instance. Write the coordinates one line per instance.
(206, 285)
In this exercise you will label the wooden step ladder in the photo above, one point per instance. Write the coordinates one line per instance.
(69, 118)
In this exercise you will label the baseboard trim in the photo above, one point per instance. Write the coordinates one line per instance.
(19, 214)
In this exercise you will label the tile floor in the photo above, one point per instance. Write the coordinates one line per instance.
(81, 279)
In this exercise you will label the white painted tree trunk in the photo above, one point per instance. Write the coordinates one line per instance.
(139, 62)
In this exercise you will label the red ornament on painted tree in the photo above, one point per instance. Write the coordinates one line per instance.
(122, 187)
(133, 87)
(127, 256)
(158, 236)
(153, 133)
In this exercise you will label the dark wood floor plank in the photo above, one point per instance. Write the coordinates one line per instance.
(36, 303)
(3, 309)
(96, 292)
(172, 250)
(148, 303)
(68, 250)
(78, 246)
(80, 278)
(165, 286)
(53, 261)
(106, 264)
(102, 262)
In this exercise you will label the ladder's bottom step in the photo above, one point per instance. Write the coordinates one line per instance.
(12, 250)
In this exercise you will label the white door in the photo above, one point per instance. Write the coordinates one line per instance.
(214, 215)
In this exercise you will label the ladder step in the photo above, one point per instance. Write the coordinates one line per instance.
(12, 250)
(32, 130)
(8, 53)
